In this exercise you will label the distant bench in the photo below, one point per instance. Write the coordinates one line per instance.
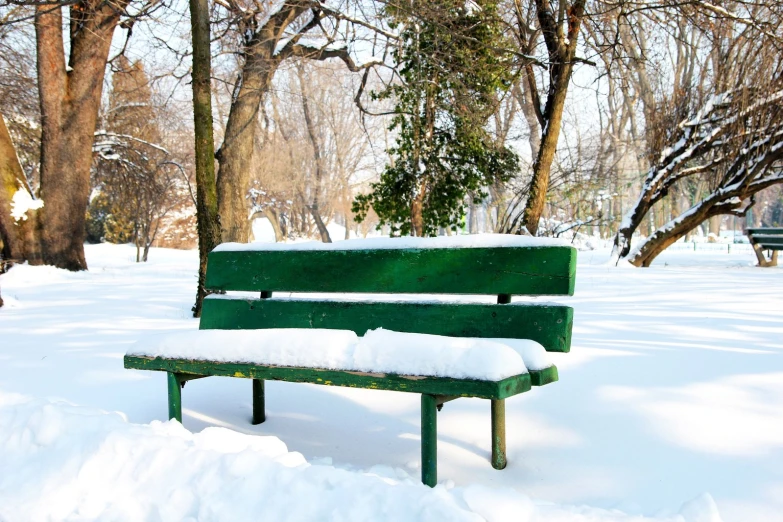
(471, 265)
(770, 239)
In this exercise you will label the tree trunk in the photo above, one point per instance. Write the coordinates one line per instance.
(236, 154)
(562, 50)
(317, 157)
(274, 220)
(19, 237)
(207, 218)
(714, 224)
(70, 98)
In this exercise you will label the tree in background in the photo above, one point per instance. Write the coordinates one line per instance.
(70, 97)
(207, 218)
(265, 35)
(138, 181)
(451, 64)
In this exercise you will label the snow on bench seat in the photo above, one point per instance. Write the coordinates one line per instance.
(379, 351)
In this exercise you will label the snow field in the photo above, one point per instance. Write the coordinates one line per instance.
(378, 351)
(673, 388)
(64, 462)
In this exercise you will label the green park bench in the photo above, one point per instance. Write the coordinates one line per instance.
(351, 267)
(770, 239)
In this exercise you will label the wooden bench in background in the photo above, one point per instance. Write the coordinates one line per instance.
(770, 239)
(357, 267)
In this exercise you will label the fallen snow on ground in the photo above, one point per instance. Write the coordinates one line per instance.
(65, 462)
(673, 389)
(378, 351)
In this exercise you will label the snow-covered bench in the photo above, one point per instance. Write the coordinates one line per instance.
(442, 350)
(766, 239)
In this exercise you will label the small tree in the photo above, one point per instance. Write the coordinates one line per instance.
(451, 65)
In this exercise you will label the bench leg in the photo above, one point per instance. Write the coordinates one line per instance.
(175, 396)
(429, 440)
(259, 404)
(499, 434)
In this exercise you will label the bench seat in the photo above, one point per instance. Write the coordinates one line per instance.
(287, 352)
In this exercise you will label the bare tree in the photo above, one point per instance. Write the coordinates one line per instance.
(268, 33)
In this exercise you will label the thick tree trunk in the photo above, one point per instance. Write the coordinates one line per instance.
(70, 99)
(207, 217)
(236, 153)
(562, 50)
(20, 237)
(714, 224)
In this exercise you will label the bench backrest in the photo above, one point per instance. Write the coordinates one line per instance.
(500, 271)
(767, 238)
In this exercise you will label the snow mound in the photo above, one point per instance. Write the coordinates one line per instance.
(63, 462)
(386, 243)
(379, 351)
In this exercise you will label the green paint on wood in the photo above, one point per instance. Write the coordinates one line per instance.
(414, 384)
(764, 230)
(514, 271)
(498, 434)
(545, 376)
(259, 401)
(549, 325)
(429, 440)
(175, 396)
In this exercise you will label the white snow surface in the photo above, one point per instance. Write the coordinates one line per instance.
(22, 202)
(387, 243)
(64, 462)
(378, 351)
(668, 409)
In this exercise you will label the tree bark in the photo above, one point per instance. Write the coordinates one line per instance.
(562, 50)
(235, 155)
(20, 238)
(207, 218)
(70, 98)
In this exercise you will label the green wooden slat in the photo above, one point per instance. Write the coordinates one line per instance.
(550, 325)
(770, 247)
(754, 231)
(545, 376)
(516, 271)
(768, 240)
(430, 385)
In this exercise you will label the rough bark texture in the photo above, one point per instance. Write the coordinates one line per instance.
(20, 239)
(70, 98)
(207, 217)
(236, 153)
(562, 50)
(260, 65)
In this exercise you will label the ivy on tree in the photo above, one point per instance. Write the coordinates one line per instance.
(452, 67)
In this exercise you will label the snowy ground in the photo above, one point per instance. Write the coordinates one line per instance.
(673, 388)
